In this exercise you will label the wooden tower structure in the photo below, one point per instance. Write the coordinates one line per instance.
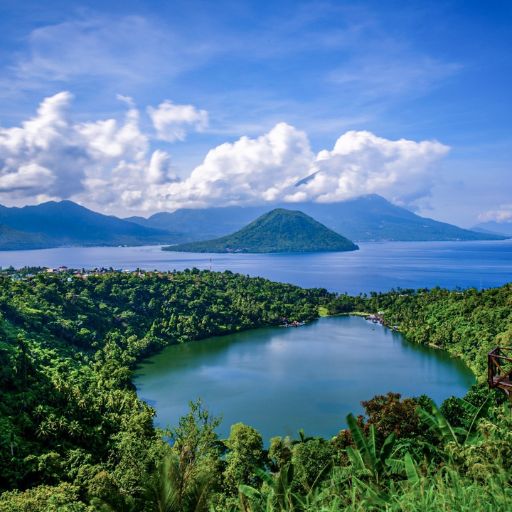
(499, 369)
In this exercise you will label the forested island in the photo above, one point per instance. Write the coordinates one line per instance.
(74, 436)
(279, 230)
(365, 218)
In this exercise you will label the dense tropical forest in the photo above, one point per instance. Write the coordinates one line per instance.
(75, 437)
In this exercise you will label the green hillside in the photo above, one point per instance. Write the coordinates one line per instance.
(12, 239)
(64, 223)
(75, 437)
(279, 230)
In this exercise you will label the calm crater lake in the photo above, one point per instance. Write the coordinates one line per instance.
(279, 380)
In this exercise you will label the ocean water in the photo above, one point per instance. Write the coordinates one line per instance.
(378, 266)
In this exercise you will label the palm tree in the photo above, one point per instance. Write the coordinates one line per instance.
(173, 488)
(167, 489)
(163, 488)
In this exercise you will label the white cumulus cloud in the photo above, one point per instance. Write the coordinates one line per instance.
(110, 164)
(106, 163)
(171, 121)
(362, 163)
(248, 170)
(272, 168)
(43, 155)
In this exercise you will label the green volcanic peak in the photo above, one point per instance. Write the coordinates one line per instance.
(279, 230)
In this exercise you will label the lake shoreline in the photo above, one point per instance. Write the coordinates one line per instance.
(226, 367)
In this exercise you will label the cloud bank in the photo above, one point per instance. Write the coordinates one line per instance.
(111, 164)
(500, 215)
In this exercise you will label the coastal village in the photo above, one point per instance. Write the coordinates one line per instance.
(378, 318)
(27, 273)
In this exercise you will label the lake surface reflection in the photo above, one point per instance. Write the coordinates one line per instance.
(279, 380)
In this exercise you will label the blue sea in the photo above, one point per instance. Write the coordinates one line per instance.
(377, 266)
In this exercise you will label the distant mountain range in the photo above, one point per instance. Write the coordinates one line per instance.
(279, 230)
(65, 223)
(366, 218)
(496, 228)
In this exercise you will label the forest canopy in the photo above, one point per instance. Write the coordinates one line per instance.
(74, 436)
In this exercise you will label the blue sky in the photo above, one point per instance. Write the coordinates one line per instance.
(138, 93)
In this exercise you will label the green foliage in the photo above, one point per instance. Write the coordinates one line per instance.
(280, 452)
(311, 461)
(173, 487)
(467, 323)
(276, 231)
(68, 345)
(61, 498)
(368, 456)
(196, 450)
(244, 457)
(75, 437)
(392, 415)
